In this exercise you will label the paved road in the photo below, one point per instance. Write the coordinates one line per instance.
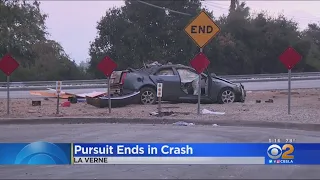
(280, 85)
(250, 86)
(149, 133)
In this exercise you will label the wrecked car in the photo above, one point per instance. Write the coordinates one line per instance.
(180, 84)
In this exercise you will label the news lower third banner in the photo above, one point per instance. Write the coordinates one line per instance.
(45, 153)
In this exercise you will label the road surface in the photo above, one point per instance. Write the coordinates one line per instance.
(250, 86)
(280, 85)
(150, 133)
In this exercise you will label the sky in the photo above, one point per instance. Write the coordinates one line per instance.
(73, 23)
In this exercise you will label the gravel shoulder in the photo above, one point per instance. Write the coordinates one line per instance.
(304, 108)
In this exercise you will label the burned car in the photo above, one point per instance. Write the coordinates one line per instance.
(180, 84)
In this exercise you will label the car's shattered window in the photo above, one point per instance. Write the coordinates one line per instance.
(115, 77)
(149, 70)
(165, 72)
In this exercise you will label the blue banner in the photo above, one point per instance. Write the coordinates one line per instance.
(46, 153)
(298, 153)
(169, 149)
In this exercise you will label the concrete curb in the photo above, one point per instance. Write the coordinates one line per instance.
(156, 120)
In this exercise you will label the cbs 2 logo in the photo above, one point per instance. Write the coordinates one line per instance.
(275, 151)
(41, 153)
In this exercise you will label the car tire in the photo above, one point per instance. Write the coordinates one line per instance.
(226, 95)
(148, 96)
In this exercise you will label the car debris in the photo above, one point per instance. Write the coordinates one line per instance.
(170, 107)
(36, 103)
(32, 111)
(182, 123)
(75, 100)
(52, 93)
(97, 99)
(269, 101)
(72, 97)
(154, 113)
(206, 111)
(161, 114)
(91, 94)
(66, 104)
(168, 113)
(120, 101)
(292, 93)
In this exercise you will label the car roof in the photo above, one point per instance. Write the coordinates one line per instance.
(153, 68)
(172, 66)
(177, 66)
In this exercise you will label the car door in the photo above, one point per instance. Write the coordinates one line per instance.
(214, 88)
(211, 87)
(170, 80)
(188, 75)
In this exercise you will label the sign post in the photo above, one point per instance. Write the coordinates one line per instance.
(290, 57)
(289, 91)
(200, 62)
(159, 95)
(107, 66)
(199, 90)
(8, 65)
(109, 94)
(8, 95)
(58, 90)
(201, 30)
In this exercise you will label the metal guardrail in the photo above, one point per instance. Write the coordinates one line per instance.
(274, 79)
(102, 83)
(279, 75)
(66, 82)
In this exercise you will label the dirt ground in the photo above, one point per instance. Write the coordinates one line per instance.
(305, 106)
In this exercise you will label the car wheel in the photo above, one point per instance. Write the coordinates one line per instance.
(226, 95)
(147, 95)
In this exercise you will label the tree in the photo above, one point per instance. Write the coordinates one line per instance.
(138, 33)
(312, 35)
(23, 35)
(233, 5)
(21, 25)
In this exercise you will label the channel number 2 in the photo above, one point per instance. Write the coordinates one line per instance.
(275, 151)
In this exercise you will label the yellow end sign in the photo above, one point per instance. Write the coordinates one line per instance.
(202, 29)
